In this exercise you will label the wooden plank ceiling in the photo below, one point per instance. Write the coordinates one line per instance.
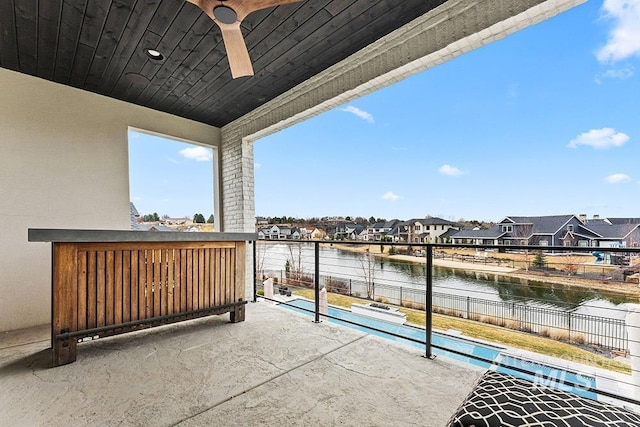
(100, 46)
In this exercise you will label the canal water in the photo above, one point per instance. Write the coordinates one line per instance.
(349, 266)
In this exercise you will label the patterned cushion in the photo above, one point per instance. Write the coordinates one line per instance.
(500, 400)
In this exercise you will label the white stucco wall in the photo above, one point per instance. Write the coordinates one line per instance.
(63, 164)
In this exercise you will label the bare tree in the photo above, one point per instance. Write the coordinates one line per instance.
(521, 234)
(368, 264)
(296, 269)
(261, 252)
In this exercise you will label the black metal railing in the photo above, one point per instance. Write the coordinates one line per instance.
(604, 332)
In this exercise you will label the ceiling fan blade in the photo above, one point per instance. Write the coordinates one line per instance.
(237, 53)
(224, 13)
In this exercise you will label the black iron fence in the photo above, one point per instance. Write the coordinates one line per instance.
(603, 332)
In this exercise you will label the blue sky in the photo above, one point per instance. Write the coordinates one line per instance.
(543, 122)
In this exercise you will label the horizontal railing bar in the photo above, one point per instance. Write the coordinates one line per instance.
(93, 331)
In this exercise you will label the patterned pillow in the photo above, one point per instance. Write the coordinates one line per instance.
(500, 400)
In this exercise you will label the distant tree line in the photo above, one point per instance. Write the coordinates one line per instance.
(199, 219)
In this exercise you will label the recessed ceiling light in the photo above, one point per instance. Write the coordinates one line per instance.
(154, 54)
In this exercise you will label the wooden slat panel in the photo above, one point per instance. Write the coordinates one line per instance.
(164, 286)
(148, 285)
(113, 29)
(212, 277)
(64, 316)
(139, 17)
(142, 284)
(224, 276)
(26, 30)
(183, 280)
(189, 279)
(135, 277)
(71, 21)
(92, 290)
(157, 282)
(177, 289)
(170, 281)
(82, 290)
(218, 275)
(201, 278)
(109, 288)
(240, 273)
(101, 292)
(48, 22)
(8, 41)
(126, 286)
(231, 270)
(205, 277)
(118, 294)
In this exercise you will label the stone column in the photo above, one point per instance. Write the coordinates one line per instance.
(235, 187)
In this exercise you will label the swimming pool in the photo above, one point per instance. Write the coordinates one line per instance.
(492, 356)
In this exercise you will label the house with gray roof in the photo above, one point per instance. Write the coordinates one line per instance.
(556, 230)
(382, 230)
(615, 232)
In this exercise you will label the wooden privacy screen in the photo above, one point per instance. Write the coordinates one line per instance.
(102, 289)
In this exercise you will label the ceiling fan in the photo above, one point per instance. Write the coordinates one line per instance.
(228, 14)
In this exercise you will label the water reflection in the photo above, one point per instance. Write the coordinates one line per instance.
(483, 285)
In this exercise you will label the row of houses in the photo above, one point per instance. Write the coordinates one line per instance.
(557, 230)
(421, 230)
(281, 232)
(553, 230)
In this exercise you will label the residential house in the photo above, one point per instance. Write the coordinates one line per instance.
(428, 230)
(556, 230)
(615, 232)
(276, 232)
(350, 231)
(312, 233)
(381, 230)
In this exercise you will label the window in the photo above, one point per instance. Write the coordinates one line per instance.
(543, 243)
(570, 227)
(583, 243)
(163, 173)
(507, 228)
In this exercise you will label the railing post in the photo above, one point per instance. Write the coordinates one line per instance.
(468, 303)
(316, 280)
(429, 301)
(255, 273)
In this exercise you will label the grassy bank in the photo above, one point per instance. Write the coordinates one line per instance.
(493, 334)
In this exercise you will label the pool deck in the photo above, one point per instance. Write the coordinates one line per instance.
(276, 368)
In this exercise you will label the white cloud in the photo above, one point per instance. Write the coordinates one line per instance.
(616, 73)
(367, 117)
(600, 138)
(391, 196)
(618, 178)
(624, 38)
(199, 154)
(450, 170)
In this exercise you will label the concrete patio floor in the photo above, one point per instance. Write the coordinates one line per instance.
(276, 368)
